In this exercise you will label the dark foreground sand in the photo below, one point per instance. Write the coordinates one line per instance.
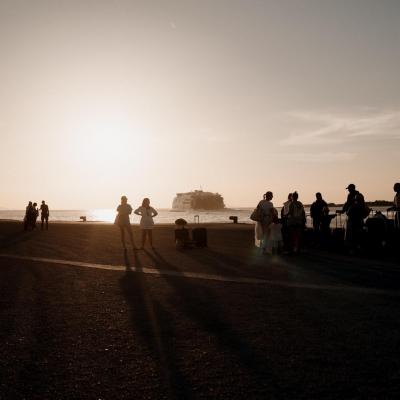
(321, 326)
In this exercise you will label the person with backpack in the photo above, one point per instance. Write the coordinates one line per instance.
(264, 219)
(356, 211)
(296, 222)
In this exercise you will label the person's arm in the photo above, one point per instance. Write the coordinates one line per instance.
(138, 211)
(154, 212)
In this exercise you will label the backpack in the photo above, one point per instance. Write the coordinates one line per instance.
(257, 214)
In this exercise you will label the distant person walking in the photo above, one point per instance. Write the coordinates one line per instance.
(355, 209)
(122, 220)
(263, 231)
(146, 222)
(27, 218)
(32, 216)
(44, 215)
(396, 205)
(296, 222)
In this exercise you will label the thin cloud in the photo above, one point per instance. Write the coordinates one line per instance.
(324, 157)
(336, 128)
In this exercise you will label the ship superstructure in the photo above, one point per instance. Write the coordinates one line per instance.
(198, 200)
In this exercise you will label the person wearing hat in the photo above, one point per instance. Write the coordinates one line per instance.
(355, 210)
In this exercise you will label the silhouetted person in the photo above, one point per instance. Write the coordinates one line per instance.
(146, 222)
(44, 215)
(28, 211)
(296, 222)
(355, 210)
(266, 206)
(284, 216)
(33, 214)
(123, 222)
(319, 213)
(286, 204)
(396, 205)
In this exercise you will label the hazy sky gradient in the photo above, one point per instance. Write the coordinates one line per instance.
(104, 98)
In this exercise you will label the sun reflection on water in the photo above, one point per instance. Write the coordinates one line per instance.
(101, 215)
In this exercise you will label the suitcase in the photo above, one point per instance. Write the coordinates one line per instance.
(199, 236)
(376, 234)
(182, 238)
(338, 238)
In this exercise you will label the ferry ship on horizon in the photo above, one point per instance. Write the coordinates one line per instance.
(198, 200)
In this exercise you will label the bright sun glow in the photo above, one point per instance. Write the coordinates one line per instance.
(107, 137)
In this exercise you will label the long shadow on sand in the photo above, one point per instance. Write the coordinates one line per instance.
(353, 271)
(210, 316)
(152, 322)
(216, 261)
(224, 264)
(14, 238)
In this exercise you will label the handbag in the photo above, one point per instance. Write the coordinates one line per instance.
(257, 214)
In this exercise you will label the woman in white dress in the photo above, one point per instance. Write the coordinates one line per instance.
(263, 231)
(146, 222)
(276, 239)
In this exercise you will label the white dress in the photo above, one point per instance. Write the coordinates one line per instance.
(147, 214)
(262, 229)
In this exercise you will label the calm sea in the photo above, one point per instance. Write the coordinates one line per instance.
(165, 216)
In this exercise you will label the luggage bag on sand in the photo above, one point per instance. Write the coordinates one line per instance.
(376, 237)
(199, 236)
(182, 238)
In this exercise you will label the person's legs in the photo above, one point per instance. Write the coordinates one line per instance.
(150, 234)
(47, 223)
(295, 246)
(129, 228)
(121, 229)
(317, 231)
(42, 224)
(268, 242)
(358, 233)
(143, 237)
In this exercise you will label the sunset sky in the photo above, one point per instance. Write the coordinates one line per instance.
(149, 98)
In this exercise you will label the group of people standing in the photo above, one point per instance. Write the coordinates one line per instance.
(274, 235)
(145, 211)
(32, 213)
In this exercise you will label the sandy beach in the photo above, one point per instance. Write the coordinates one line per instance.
(82, 319)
